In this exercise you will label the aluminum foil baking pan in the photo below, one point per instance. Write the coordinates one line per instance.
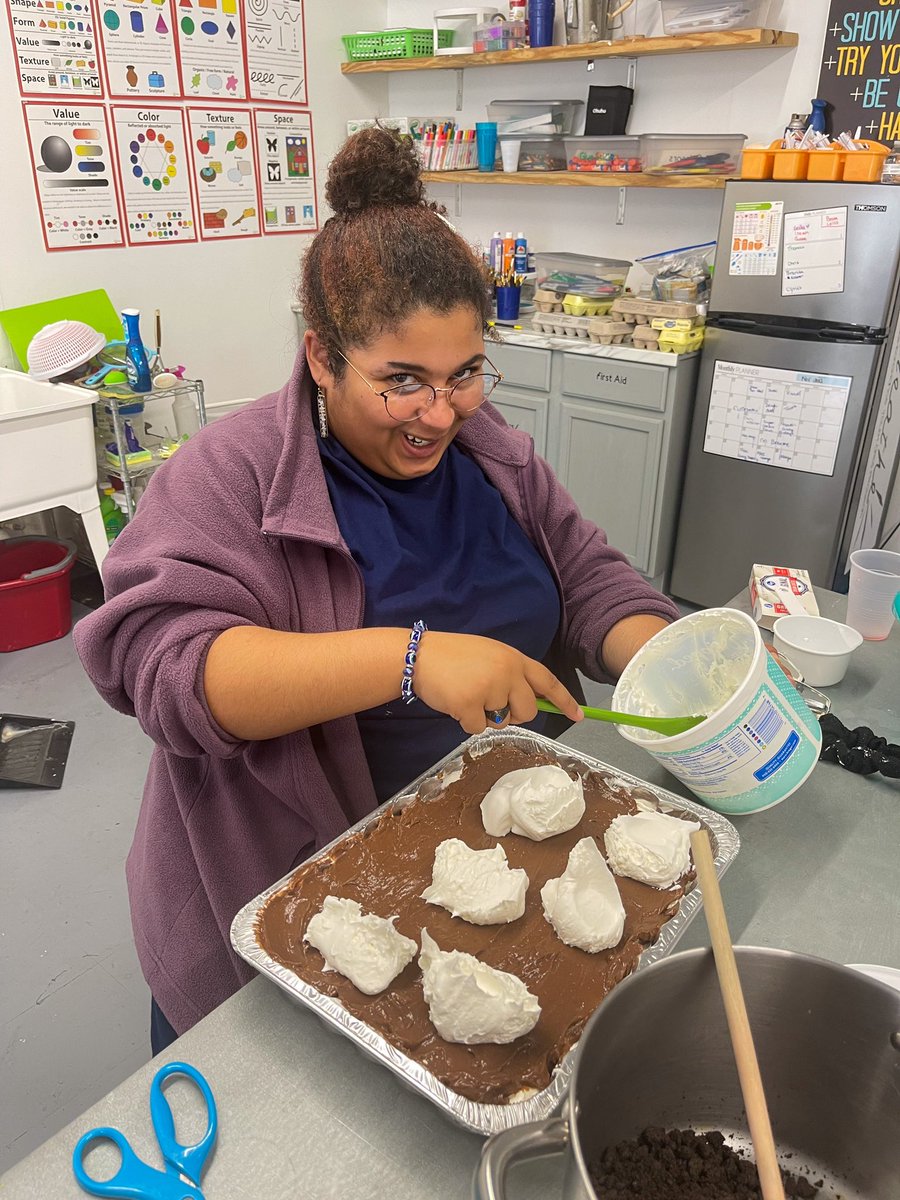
(482, 1118)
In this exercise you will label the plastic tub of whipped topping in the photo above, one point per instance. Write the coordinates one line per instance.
(759, 741)
(529, 1105)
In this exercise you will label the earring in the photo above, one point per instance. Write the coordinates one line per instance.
(323, 412)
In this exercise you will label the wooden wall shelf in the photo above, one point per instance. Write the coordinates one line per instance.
(577, 179)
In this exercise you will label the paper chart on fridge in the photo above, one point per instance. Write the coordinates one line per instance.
(787, 419)
(55, 46)
(276, 50)
(154, 166)
(211, 48)
(139, 48)
(815, 252)
(72, 163)
(286, 171)
(225, 172)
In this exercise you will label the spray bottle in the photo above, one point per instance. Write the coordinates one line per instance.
(135, 354)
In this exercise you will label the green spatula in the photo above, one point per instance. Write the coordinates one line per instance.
(668, 726)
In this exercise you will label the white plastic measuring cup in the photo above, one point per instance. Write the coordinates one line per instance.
(874, 582)
(759, 741)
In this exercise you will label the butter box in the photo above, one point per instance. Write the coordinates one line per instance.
(777, 591)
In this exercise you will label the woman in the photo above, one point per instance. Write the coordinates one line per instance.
(260, 606)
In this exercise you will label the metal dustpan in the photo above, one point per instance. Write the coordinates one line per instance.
(33, 750)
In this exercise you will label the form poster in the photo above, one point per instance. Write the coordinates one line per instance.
(276, 51)
(287, 171)
(211, 49)
(155, 169)
(139, 48)
(225, 177)
(71, 157)
(55, 44)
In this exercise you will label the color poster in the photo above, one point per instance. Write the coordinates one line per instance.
(224, 173)
(71, 158)
(55, 44)
(139, 48)
(155, 167)
(287, 176)
(276, 51)
(860, 74)
(211, 49)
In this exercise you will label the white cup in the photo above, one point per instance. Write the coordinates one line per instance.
(874, 582)
(509, 152)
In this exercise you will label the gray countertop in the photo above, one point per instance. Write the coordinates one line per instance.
(303, 1114)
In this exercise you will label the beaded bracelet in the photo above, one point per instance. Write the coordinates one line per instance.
(409, 665)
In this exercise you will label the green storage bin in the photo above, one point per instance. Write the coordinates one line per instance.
(394, 43)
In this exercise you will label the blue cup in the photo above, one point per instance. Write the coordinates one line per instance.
(541, 14)
(486, 141)
(508, 303)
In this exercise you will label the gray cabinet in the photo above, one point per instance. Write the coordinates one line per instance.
(615, 431)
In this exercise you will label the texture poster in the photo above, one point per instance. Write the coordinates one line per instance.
(225, 177)
(860, 75)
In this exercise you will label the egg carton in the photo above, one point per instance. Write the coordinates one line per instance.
(609, 332)
(643, 311)
(561, 325)
(681, 341)
(547, 301)
(678, 324)
(643, 337)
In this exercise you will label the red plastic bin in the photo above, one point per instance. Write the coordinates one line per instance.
(35, 599)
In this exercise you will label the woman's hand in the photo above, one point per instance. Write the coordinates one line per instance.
(463, 675)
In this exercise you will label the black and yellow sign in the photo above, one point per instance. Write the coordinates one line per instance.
(860, 76)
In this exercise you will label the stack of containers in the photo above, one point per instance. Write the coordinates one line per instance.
(532, 132)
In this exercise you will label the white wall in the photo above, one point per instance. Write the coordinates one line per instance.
(225, 306)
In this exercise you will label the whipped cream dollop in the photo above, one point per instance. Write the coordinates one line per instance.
(364, 947)
(470, 1002)
(583, 904)
(651, 847)
(477, 885)
(536, 802)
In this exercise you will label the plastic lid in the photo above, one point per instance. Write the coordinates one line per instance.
(61, 347)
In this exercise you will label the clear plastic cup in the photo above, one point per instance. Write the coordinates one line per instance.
(874, 582)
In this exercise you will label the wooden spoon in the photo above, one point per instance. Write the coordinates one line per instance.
(738, 1023)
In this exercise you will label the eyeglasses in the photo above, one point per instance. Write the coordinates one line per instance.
(408, 401)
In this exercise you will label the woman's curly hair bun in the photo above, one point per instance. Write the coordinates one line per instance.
(375, 166)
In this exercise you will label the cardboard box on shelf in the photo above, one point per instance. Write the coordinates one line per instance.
(777, 591)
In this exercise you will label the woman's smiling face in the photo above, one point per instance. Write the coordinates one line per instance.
(430, 347)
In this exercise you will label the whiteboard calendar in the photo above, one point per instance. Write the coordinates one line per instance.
(788, 419)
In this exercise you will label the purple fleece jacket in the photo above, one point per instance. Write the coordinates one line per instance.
(238, 529)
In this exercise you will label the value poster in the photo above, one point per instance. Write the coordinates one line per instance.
(211, 49)
(72, 162)
(860, 74)
(287, 173)
(276, 51)
(139, 48)
(225, 177)
(55, 44)
(155, 168)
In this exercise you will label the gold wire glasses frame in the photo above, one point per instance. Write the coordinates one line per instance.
(475, 388)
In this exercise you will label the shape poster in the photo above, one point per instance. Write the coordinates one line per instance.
(860, 73)
(211, 49)
(286, 171)
(71, 157)
(155, 167)
(139, 48)
(224, 173)
(276, 51)
(55, 43)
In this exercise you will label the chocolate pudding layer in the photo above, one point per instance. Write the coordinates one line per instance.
(387, 867)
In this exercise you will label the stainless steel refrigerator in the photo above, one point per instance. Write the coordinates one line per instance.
(795, 430)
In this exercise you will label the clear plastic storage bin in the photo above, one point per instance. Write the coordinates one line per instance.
(499, 35)
(581, 275)
(692, 153)
(534, 116)
(542, 154)
(682, 17)
(604, 154)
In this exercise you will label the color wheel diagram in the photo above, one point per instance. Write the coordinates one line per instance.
(154, 167)
(71, 159)
(139, 48)
(224, 173)
(211, 49)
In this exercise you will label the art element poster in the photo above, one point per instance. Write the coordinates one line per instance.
(276, 51)
(286, 171)
(224, 173)
(210, 45)
(155, 167)
(55, 43)
(860, 76)
(72, 163)
(139, 48)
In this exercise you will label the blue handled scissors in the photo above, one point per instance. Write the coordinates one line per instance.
(184, 1164)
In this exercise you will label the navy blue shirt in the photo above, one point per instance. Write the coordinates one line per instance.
(443, 549)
